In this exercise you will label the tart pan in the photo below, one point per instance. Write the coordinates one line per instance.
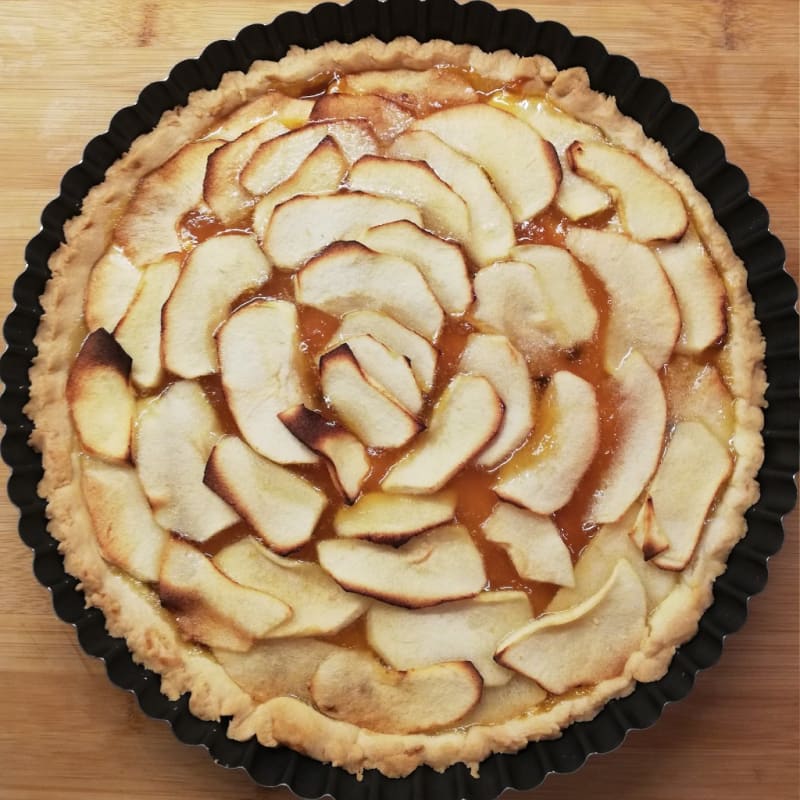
(698, 153)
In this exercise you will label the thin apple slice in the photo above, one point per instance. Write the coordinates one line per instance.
(646, 533)
(524, 168)
(650, 208)
(276, 160)
(418, 91)
(441, 262)
(694, 466)
(211, 608)
(419, 352)
(699, 291)
(363, 406)
(174, 436)
(533, 543)
(577, 197)
(417, 574)
(464, 630)
(128, 536)
(112, 286)
(574, 317)
(497, 360)
(345, 457)
(318, 603)
(139, 330)
(642, 413)
(466, 418)
(354, 687)
(100, 398)
(387, 119)
(393, 518)
(519, 697)
(148, 229)
(222, 191)
(443, 211)
(321, 173)
(349, 277)
(389, 370)
(305, 225)
(584, 645)
(276, 667)
(510, 300)
(281, 507)
(644, 313)
(214, 275)
(289, 111)
(491, 226)
(262, 375)
(543, 476)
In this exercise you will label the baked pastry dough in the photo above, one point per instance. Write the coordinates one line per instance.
(399, 401)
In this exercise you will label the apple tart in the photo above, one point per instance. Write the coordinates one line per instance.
(400, 402)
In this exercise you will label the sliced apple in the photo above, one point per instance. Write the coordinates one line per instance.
(262, 375)
(354, 687)
(496, 359)
(694, 466)
(650, 208)
(100, 398)
(517, 698)
(642, 413)
(576, 197)
(321, 173)
(281, 507)
(646, 533)
(387, 118)
(349, 277)
(174, 436)
(533, 543)
(276, 160)
(139, 330)
(443, 211)
(466, 418)
(464, 630)
(644, 313)
(393, 518)
(305, 225)
(214, 275)
(112, 286)
(363, 406)
(276, 667)
(441, 262)
(584, 645)
(510, 300)
(543, 476)
(128, 536)
(418, 91)
(574, 317)
(148, 229)
(697, 392)
(524, 168)
(345, 457)
(419, 352)
(222, 191)
(289, 111)
(699, 291)
(389, 370)
(318, 603)
(211, 608)
(417, 574)
(491, 233)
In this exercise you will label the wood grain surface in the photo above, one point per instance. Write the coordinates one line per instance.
(66, 731)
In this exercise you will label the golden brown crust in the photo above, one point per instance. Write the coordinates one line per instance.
(133, 610)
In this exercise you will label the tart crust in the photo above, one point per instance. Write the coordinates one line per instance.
(133, 611)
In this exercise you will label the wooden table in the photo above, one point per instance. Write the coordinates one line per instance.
(66, 68)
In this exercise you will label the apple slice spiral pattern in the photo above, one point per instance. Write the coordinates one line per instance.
(410, 388)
